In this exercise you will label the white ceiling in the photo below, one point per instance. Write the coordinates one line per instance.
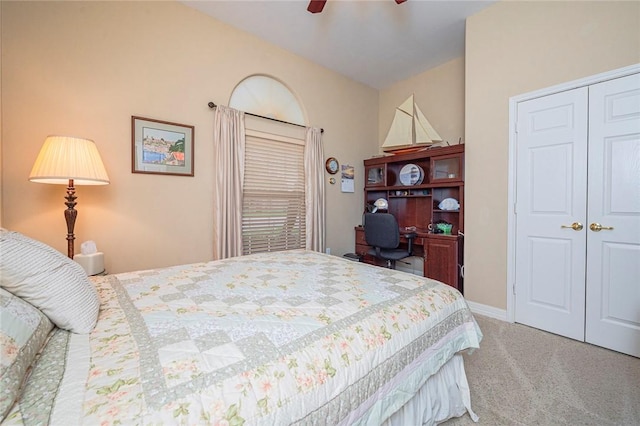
(375, 42)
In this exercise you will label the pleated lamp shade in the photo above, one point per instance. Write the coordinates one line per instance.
(63, 157)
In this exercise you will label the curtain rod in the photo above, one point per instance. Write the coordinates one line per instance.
(213, 105)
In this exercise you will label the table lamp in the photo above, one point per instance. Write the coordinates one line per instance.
(65, 160)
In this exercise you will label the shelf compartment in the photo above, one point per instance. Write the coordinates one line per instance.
(446, 168)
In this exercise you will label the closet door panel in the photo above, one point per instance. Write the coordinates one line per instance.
(551, 187)
(613, 238)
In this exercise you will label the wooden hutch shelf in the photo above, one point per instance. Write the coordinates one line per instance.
(417, 206)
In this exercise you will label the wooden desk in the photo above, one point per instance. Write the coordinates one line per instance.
(442, 255)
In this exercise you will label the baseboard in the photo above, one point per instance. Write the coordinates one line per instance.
(487, 311)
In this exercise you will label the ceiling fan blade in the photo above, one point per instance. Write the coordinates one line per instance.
(400, 1)
(316, 6)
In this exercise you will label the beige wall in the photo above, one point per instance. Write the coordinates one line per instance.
(513, 48)
(84, 68)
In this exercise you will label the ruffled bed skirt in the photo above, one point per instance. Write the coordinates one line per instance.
(443, 396)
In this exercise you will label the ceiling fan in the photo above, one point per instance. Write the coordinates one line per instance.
(316, 6)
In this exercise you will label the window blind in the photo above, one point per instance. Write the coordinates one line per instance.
(273, 210)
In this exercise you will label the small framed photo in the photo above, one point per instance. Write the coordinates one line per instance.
(161, 147)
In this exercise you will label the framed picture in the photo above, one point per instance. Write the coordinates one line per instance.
(161, 147)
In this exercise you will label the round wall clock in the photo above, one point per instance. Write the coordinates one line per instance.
(332, 165)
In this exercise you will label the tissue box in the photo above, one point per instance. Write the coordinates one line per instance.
(91, 263)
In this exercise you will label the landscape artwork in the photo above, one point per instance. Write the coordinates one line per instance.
(161, 147)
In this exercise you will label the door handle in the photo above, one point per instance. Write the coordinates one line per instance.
(576, 226)
(596, 227)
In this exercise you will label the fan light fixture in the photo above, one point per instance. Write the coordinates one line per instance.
(316, 6)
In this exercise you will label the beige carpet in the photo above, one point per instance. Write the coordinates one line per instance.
(524, 376)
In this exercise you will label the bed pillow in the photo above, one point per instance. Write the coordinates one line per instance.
(48, 280)
(23, 331)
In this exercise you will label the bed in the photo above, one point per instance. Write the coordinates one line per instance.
(294, 337)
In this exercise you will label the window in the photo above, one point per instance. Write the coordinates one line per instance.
(273, 211)
(268, 97)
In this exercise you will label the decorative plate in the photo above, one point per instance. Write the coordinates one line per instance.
(411, 174)
(449, 204)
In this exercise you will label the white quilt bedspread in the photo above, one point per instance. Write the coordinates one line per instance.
(293, 337)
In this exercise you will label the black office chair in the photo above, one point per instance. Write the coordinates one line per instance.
(381, 232)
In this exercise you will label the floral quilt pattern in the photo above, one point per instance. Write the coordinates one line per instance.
(273, 338)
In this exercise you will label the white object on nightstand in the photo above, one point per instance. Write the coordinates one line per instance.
(93, 264)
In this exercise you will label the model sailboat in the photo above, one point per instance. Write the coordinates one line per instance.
(410, 130)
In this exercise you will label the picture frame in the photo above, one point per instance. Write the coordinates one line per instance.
(161, 147)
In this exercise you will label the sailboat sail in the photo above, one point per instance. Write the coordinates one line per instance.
(425, 133)
(409, 129)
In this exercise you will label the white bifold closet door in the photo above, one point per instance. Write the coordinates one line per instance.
(578, 214)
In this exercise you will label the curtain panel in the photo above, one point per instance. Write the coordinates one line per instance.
(314, 190)
(228, 151)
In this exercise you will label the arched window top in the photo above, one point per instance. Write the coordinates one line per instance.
(266, 96)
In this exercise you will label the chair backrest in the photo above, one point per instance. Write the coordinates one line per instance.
(381, 230)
